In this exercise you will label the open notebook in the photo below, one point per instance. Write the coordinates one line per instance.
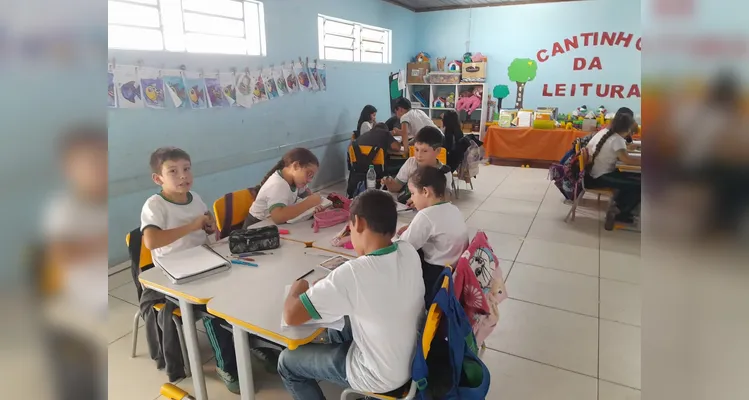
(309, 213)
(188, 265)
(337, 324)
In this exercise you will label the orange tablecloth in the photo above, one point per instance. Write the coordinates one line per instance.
(529, 143)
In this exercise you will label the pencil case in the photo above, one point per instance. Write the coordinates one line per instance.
(328, 218)
(254, 239)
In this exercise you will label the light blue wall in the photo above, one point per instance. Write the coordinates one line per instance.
(234, 148)
(508, 32)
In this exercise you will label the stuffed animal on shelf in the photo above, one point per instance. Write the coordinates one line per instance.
(422, 57)
(601, 110)
(467, 57)
(478, 57)
(469, 101)
(450, 101)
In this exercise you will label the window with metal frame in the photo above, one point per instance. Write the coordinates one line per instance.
(342, 40)
(194, 26)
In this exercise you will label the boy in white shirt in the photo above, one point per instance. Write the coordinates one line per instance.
(411, 120)
(427, 144)
(177, 219)
(381, 293)
(438, 230)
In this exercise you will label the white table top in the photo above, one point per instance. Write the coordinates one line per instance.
(253, 298)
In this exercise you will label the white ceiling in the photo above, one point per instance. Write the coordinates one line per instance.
(434, 5)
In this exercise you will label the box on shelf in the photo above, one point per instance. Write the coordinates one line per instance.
(443, 77)
(417, 72)
(474, 72)
(506, 117)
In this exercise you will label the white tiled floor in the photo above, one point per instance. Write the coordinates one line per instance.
(569, 331)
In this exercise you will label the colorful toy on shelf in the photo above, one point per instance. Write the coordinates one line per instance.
(478, 57)
(439, 102)
(601, 110)
(454, 66)
(422, 57)
(469, 101)
(467, 57)
(450, 101)
(441, 63)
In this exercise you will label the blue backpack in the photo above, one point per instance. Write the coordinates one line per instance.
(457, 371)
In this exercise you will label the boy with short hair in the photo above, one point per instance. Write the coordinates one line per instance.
(411, 120)
(381, 293)
(178, 219)
(427, 144)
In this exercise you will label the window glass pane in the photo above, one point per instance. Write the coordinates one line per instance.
(373, 35)
(200, 43)
(172, 27)
(215, 25)
(149, 2)
(373, 46)
(337, 41)
(372, 57)
(254, 28)
(132, 14)
(338, 54)
(339, 28)
(224, 8)
(125, 37)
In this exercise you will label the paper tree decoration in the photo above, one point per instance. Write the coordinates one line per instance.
(521, 71)
(500, 92)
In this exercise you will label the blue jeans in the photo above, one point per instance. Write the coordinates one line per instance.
(300, 369)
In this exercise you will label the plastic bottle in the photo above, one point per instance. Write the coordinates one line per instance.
(371, 178)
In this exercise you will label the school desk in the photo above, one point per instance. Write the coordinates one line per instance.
(529, 144)
(253, 303)
(288, 259)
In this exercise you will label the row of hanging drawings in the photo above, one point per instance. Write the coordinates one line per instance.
(138, 87)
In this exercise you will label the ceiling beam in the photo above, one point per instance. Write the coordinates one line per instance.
(399, 4)
(496, 4)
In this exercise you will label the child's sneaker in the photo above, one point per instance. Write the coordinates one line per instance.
(231, 382)
(269, 358)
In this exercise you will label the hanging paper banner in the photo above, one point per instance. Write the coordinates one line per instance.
(153, 87)
(227, 80)
(258, 88)
(128, 87)
(322, 78)
(215, 92)
(174, 84)
(278, 76)
(270, 83)
(291, 82)
(312, 72)
(302, 76)
(112, 99)
(244, 89)
(196, 90)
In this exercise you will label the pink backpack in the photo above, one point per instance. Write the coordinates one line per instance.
(328, 218)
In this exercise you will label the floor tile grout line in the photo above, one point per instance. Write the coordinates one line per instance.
(542, 363)
(554, 308)
(598, 359)
(120, 298)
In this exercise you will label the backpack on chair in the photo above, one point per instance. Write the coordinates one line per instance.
(452, 369)
(357, 178)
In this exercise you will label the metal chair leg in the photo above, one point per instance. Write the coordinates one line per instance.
(574, 207)
(135, 334)
(182, 345)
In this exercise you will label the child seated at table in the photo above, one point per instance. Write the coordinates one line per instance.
(438, 231)
(279, 196)
(427, 145)
(178, 219)
(382, 295)
(606, 148)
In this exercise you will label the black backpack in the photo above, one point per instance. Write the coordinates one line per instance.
(358, 170)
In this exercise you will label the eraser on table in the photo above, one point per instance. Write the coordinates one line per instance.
(283, 231)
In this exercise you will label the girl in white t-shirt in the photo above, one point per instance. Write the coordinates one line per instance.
(367, 120)
(606, 148)
(438, 231)
(283, 194)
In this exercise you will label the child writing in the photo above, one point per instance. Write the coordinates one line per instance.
(438, 230)
(427, 145)
(381, 293)
(177, 219)
(279, 195)
(606, 148)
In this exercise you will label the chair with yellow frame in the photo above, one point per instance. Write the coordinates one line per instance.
(142, 261)
(584, 159)
(361, 166)
(408, 390)
(232, 209)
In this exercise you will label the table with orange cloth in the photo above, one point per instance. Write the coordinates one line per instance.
(529, 143)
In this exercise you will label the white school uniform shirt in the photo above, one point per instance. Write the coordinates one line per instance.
(165, 214)
(365, 127)
(383, 295)
(410, 166)
(606, 160)
(275, 192)
(416, 120)
(440, 232)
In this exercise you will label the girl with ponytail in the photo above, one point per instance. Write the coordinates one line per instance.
(606, 148)
(281, 191)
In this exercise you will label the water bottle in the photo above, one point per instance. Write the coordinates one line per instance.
(371, 178)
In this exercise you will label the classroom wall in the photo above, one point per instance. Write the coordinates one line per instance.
(521, 31)
(234, 148)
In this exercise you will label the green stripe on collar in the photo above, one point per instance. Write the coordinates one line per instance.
(385, 250)
(189, 199)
